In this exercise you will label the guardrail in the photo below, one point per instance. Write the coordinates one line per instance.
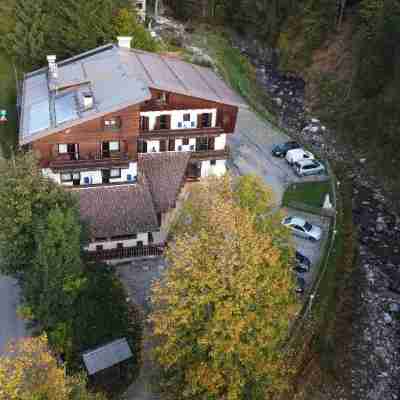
(312, 292)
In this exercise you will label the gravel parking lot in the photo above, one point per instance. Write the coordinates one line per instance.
(312, 250)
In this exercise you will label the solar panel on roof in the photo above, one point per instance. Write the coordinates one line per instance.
(65, 108)
(39, 118)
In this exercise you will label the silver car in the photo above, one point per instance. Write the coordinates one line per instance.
(302, 228)
(308, 167)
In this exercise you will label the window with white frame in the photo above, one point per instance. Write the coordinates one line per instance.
(112, 123)
(114, 145)
(62, 148)
(115, 173)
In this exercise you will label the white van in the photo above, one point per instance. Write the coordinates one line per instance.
(295, 155)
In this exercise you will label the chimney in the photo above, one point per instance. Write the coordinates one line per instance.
(124, 41)
(53, 69)
(87, 101)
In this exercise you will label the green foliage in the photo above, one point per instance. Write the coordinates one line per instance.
(126, 24)
(224, 307)
(26, 199)
(312, 194)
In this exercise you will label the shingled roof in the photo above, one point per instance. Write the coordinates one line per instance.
(165, 174)
(118, 210)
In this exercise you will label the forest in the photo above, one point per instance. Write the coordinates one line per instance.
(360, 99)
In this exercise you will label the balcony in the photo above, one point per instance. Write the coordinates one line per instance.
(211, 154)
(172, 133)
(91, 160)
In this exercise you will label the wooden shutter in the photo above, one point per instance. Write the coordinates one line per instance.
(163, 145)
(168, 118)
(211, 143)
(171, 145)
(157, 126)
(199, 121)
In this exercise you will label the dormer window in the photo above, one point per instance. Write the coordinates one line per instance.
(113, 123)
(162, 98)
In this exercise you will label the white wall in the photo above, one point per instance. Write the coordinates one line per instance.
(177, 116)
(179, 142)
(220, 142)
(132, 170)
(218, 169)
(95, 177)
(112, 244)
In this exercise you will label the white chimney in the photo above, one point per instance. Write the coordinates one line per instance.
(124, 41)
(87, 101)
(53, 69)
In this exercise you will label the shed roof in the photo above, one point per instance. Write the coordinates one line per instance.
(106, 356)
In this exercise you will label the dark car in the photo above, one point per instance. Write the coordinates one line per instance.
(301, 285)
(303, 263)
(280, 150)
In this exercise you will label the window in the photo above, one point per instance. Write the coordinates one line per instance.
(162, 98)
(213, 163)
(66, 177)
(205, 120)
(144, 123)
(150, 237)
(114, 146)
(139, 6)
(179, 124)
(113, 123)
(99, 247)
(115, 173)
(201, 144)
(62, 149)
(171, 145)
(164, 121)
(185, 141)
(163, 145)
(139, 243)
(142, 146)
(125, 237)
(186, 117)
(120, 245)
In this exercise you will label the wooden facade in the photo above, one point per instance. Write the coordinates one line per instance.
(90, 136)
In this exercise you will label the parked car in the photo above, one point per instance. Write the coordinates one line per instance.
(280, 150)
(302, 263)
(295, 155)
(301, 285)
(302, 228)
(308, 167)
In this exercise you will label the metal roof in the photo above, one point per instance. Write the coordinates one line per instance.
(106, 356)
(117, 78)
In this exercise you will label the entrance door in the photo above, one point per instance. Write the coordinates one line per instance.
(105, 174)
(105, 149)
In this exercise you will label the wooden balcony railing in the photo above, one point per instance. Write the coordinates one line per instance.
(211, 154)
(127, 252)
(90, 160)
(167, 133)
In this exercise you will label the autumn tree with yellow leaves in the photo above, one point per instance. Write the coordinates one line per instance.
(223, 309)
(29, 371)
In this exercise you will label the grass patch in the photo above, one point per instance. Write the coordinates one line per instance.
(309, 193)
(8, 96)
(235, 68)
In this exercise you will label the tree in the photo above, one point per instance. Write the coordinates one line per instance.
(29, 39)
(126, 23)
(26, 199)
(29, 371)
(224, 307)
(56, 278)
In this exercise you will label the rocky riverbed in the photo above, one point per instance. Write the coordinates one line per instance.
(376, 331)
(375, 343)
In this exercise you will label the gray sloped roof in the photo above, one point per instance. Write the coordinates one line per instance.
(106, 356)
(117, 78)
(174, 75)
